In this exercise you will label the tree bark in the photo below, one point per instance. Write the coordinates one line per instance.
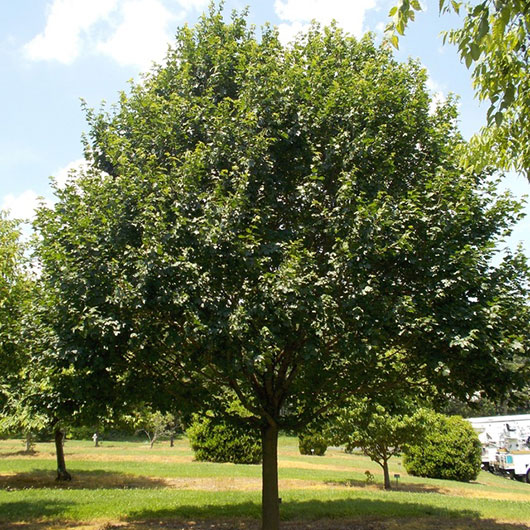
(29, 442)
(270, 502)
(386, 474)
(62, 474)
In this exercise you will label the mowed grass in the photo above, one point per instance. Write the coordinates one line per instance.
(126, 482)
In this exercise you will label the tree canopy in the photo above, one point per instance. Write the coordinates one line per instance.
(15, 289)
(283, 226)
(494, 39)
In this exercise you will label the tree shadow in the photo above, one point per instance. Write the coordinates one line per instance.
(365, 523)
(411, 488)
(343, 514)
(94, 479)
(22, 452)
(23, 511)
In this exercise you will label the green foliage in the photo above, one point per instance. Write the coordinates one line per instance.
(269, 222)
(18, 290)
(153, 423)
(493, 38)
(379, 428)
(312, 443)
(214, 440)
(15, 295)
(450, 449)
(262, 220)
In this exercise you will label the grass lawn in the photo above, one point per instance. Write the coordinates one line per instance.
(126, 485)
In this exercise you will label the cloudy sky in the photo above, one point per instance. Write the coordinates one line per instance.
(55, 52)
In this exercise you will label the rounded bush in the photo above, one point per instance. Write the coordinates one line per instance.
(450, 450)
(312, 443)
(218, 441)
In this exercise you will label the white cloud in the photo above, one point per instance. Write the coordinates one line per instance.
(21, 206)
(348, 14)
(438, 96)
(190, 5)
(67, 22)
(289, 31)
(132, 32)
(61, 176)
(142, 35)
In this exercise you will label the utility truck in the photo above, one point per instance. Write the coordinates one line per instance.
(505, 444)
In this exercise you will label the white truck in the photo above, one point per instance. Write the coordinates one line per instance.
(505, 444)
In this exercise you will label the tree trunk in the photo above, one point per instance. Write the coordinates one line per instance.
(153, 440)
(386, 474)
(29, 442)
(270, 502)
(172, 441)
(62, 474)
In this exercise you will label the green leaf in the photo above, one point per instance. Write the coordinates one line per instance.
(499, 118)
(475, 51)
(484, 26)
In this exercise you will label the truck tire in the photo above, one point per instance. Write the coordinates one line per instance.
(528, 476)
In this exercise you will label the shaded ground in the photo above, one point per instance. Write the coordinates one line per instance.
(429, 523)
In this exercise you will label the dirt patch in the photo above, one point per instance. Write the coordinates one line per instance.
(426, 523)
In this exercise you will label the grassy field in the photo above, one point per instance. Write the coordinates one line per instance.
(127, 485)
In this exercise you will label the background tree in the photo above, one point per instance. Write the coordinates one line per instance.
(15, 298)
(154, 424)
(283, 226)
(17, 289)
(379, 430)
(494, 39)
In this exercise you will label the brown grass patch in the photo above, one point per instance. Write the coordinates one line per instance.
(109, 480)
(366, 523)
(102, 457)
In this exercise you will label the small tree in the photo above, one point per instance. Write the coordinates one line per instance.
(379, 430)
(154, 424)
(450, 449)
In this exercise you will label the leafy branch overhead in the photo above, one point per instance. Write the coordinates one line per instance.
(493, 40)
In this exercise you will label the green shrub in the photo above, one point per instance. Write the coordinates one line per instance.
(450, 450)
(312, 443)
(219, 441)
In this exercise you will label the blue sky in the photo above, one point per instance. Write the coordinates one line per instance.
(54, 52)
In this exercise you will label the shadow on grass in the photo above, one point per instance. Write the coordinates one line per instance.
(22, 452)
(18, 511)
(358, 523)
(350, 514)
(96, 479)
(305, 513)
(344, 514)
(412, 488)
(312, 509)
